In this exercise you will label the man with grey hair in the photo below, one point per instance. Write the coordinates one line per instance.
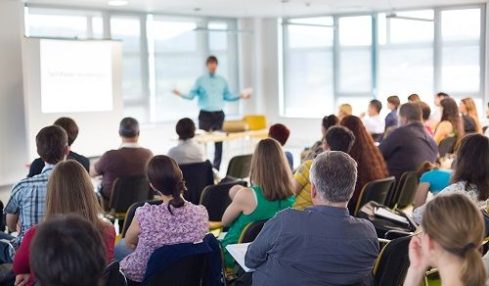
(322, 245)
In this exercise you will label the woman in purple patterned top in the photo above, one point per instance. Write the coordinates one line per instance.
(174, 221)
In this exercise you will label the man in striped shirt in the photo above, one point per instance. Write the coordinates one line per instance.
(25, 207)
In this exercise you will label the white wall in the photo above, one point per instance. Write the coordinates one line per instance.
(13, 146)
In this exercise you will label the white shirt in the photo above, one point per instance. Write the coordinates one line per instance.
(130, 145)
(187, 152)
(374, 124)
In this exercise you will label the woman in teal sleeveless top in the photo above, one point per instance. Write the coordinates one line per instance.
(270, 193)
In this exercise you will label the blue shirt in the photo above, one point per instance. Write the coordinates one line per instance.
(27, 200)
(318, 246)
(211, 90)
(438, 179)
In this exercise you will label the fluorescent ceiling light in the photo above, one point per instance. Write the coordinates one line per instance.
(118, 2)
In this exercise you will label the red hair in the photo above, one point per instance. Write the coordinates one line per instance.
(371, 164)
(279, 132)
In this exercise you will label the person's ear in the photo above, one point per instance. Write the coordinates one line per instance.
(66, 150)
(314, 192)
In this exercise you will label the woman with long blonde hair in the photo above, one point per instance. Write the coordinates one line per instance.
(453, 230)
(470, 116)
(69, 191)
(271, 191)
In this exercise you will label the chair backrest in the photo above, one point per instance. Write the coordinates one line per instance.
(188, 271)
(128, 190)
(185, 264)
(447, 146)
(113, 276)
(376, 191)
(132, 211)
(197, 176)
(407, 190)
(216, 198)
(239, 167)
(251, 231)
(393, 262)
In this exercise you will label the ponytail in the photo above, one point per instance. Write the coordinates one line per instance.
(455, 222)
(473, 272)
(177, 201)
(166, 177)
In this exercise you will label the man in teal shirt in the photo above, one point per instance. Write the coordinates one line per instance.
(212, 91)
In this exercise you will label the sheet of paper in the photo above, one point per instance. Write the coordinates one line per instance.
(238, 252)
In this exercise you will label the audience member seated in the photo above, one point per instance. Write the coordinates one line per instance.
(453, 230)
(371, 164)
(316, 149)
(470, 116)
(414, 98)
(322, 245)
(187, 151)
(436, 113)
(470, 176)
(69, 125)
(432, 179)
(425, 114)
(338, 138)
(281, 133)
(409, 145)
(271, 191)
(373, 122)
(172, 222)
(451, 123)
(391, 120)
(25, 207)
(129, 160)
(70, 191)
(68, 250)
(344, 110)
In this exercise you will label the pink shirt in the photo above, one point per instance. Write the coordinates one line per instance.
(158, 227)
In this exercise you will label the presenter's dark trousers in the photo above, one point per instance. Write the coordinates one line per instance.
(213, 121)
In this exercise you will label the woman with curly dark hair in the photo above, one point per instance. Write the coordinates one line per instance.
(371, 164)
(451, 123)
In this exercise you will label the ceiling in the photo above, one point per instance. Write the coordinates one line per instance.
(257, 8)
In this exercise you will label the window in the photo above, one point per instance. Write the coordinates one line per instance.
(177, 64)
(328, 61)
(308, 63)
(405, 53)
(460, 50)
(56, 23)
(159, 53)
(355, 54)
(128, 30)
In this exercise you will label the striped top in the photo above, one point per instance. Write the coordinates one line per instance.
(303, 198)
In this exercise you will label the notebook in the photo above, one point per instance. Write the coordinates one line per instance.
(238, 252)
(383, 213)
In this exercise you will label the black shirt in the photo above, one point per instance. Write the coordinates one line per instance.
(407, 147)
(38, 164)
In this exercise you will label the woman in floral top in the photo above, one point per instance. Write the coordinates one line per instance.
(175, 221)
(470, 177)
